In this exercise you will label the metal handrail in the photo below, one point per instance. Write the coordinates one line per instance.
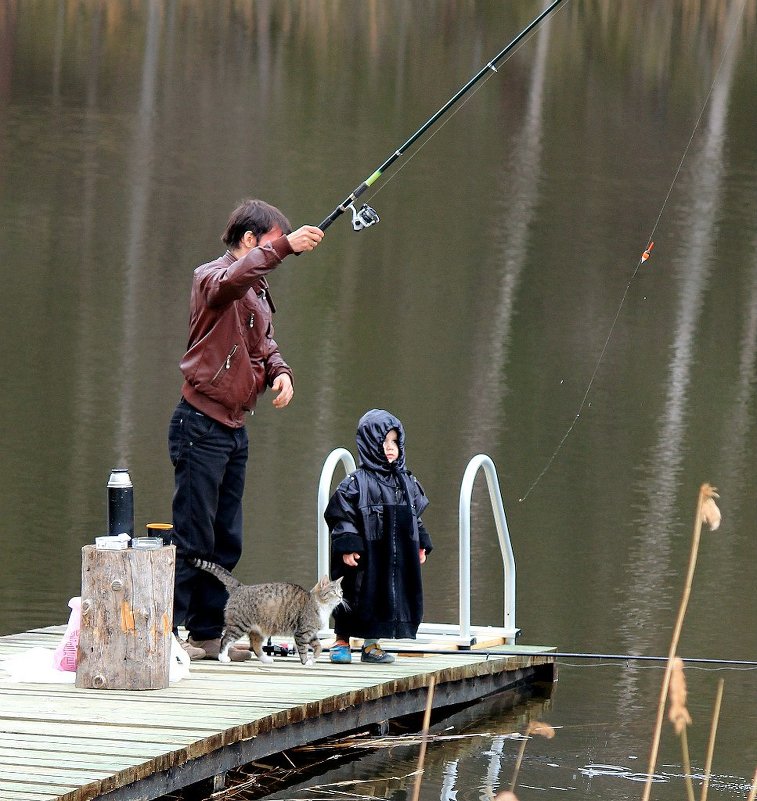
(466, 491)
(324, 493)
(503, 534)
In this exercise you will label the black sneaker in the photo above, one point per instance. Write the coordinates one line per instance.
(375, 654)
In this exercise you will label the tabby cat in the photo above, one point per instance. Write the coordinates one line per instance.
(275, 609)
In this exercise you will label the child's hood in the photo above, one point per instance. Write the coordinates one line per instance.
(372, 429)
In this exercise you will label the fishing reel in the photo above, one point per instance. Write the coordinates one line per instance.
(364, 217)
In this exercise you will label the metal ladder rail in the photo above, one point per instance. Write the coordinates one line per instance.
(324, 493)
(503, 534)
(466, 491)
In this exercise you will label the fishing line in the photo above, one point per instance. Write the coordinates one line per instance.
(642, 259)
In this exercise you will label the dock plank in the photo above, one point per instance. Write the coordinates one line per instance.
(27, 795)
(19, 791)
(60, 742)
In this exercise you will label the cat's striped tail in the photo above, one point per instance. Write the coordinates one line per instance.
(221, 573)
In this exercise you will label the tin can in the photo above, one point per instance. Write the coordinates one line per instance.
(120, 503)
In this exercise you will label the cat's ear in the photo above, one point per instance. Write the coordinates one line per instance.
(339, 580)
(324, 582)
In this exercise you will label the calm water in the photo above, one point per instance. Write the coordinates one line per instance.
(495, 309)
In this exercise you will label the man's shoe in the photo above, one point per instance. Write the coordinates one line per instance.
(193, 652)
(375, 654)
(340, 654)
(213, 647)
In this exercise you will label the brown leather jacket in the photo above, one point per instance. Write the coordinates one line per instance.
(232, 356)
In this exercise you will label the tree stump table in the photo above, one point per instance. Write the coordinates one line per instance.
(126, 618)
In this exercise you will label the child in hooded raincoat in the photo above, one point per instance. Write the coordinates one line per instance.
(378, 542)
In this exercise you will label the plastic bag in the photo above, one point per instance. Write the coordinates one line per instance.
(178, 667)
(64, 656)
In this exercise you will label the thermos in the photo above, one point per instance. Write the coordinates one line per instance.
(120, 503)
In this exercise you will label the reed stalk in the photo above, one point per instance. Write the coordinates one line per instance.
(711, 743)
(424, 738)
(753, 792)
(680, 718)
(519, 759)
(534, 727)
(686, 765)
(707, 511)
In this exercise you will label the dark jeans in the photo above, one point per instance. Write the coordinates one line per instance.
(209, 459)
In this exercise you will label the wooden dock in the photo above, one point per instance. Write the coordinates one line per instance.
(60, 742)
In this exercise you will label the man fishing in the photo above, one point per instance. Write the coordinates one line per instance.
(231, 358)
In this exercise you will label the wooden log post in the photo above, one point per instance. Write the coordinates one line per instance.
(126, 618)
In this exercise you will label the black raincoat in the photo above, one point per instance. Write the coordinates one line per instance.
(376, 512)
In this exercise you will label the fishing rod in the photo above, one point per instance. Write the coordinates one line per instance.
(366, 216)
(284, 650)
(568, 655)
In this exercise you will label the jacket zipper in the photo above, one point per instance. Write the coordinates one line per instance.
(226, 365)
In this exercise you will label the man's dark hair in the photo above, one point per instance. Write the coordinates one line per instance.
(256, 216)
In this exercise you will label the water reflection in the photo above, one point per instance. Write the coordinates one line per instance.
(736, 450)
(138, 266)
(662, 470)
(515, 203)
(85, 339)
(593, 755)
(476, 757)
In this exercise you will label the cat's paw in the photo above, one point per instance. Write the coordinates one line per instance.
(224, 657)
(265, 659)
(309, 662)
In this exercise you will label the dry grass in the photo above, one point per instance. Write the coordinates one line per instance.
(534, 727)
(679, 716)
(707, 512)
(424, 735)
(711, 743)
(753, 792)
